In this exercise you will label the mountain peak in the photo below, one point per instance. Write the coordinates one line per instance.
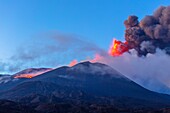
(85, 63)
(95, 68)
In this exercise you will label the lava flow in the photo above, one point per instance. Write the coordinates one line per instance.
(31, 72)
(117, 48)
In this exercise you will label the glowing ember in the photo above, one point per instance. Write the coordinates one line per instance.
(118, 48)
(72, 63)
(30, 73)
(96, 58)
(26, 76)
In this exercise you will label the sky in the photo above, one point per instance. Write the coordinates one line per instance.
(97, 21)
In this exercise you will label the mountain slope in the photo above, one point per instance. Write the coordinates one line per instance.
(31, 72)
(86, 82)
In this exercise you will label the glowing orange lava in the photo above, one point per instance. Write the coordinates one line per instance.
(25, 76)
(30, 75)
(117, 48)
(72, 63)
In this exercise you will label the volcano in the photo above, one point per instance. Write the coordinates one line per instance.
(86, 85)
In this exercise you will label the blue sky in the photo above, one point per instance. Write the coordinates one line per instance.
(96, 21)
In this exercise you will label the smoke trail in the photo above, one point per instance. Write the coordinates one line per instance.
(151, 71)
(53, 49)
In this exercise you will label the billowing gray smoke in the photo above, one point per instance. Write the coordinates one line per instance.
(152, 32)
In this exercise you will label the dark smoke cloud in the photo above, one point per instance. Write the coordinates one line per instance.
(149, 39)
(153, 29)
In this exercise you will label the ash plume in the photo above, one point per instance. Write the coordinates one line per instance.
(152, 29)
(150, 38)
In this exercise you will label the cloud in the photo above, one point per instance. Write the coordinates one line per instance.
(51, 49)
